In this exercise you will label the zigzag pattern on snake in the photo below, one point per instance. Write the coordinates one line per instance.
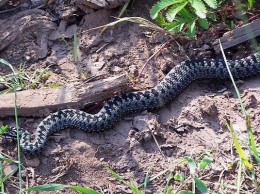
(173, 83)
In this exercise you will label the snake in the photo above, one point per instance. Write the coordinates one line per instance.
(115, 108)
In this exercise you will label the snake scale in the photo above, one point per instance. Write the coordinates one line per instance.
(172, 84)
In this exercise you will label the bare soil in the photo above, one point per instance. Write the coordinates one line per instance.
(192, 125)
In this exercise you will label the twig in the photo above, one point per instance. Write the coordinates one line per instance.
(157, 144)
(161, 47)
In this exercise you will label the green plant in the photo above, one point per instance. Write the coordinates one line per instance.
(4, 177)
(195, 168)
(53, 187)
(74, 52)
(3, 128)
(183, 15)
(251, 143)
(167, 189)
(24, 79)
(132, 185)
(14, 86)
(251, 4)
(193, 177)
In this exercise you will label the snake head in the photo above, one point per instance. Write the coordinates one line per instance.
(11, 133)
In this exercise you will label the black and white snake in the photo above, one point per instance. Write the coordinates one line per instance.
(173, 83)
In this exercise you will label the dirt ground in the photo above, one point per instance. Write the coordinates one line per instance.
(192, 125)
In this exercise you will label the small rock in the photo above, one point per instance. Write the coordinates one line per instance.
(209, 108)
(146, 122)
(116, 69)
(67, 12)
(123, 189)
(73, 183)
(96, 67)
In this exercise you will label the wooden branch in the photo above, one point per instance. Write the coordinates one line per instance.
(238, 35)
(42, 102)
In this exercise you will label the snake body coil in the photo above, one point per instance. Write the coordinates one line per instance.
(173, 83)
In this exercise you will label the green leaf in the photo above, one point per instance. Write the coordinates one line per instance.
(251, 4)
(202, 187)
(171, 13)
(173, 26)
(185, 192)
(3, 129)
(179, 176)
(162, 4)
(191, 31)
(9, 160)
(132, 185)
(211, 3)
(84, 190)
(160, 19)
(191, 163)
(199, 7)
(47, 187)
(205, 162)
(204, 23)
(212, 16)
(186, 14)
(177, 24)
(117, 176)
(8, 64)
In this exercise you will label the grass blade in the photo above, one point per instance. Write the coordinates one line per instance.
(253, 148)
(8, 175)
(233, 81)
(55, 186)
(238, 147)
(84, 190)
(133, 186)
(191, 163)
(47, 187)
